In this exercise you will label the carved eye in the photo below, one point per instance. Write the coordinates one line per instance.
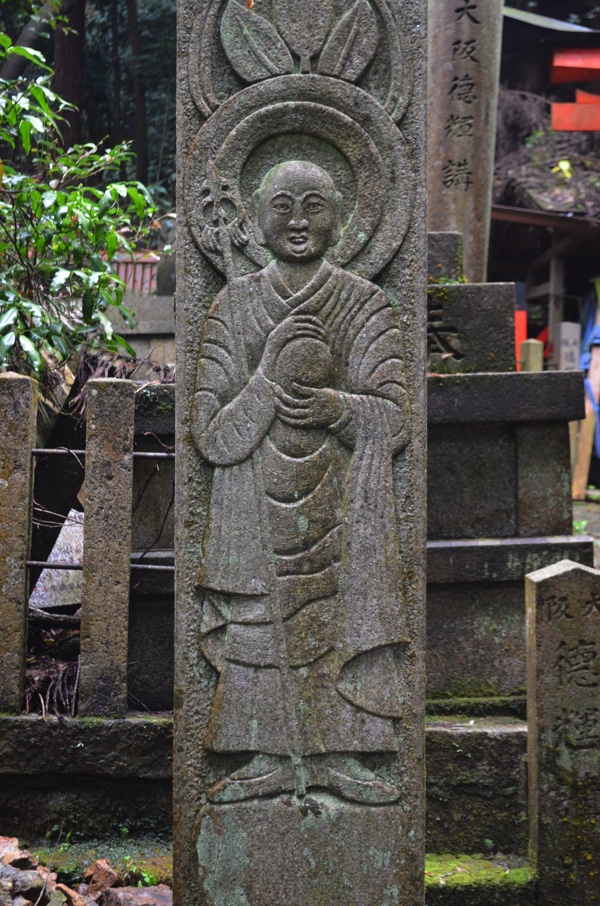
(282, 207)
(313, 206)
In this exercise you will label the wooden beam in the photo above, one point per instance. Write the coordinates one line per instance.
(542, 289)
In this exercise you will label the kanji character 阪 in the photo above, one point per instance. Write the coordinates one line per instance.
(465, 51)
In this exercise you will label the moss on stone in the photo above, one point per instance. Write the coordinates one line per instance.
(142, 860)
(448, 870)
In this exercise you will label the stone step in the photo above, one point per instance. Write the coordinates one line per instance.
(105, 774)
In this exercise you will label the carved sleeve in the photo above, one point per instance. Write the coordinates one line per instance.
(373, 342)
(232, 413)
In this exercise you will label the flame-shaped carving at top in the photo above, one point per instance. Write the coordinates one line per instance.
(302, 37)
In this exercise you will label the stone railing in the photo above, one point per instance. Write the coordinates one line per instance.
(107, 562)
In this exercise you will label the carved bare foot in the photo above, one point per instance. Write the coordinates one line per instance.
(353, 781)
(265, 775)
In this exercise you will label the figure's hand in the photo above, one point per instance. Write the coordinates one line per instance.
(289, 329)
(311, 407)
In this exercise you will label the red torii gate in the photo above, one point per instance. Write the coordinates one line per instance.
(581, 64)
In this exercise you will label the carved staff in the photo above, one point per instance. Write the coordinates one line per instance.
(225, 227)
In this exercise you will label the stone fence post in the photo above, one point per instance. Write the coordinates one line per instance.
(17, 438)
(106, 548)
(563, 707)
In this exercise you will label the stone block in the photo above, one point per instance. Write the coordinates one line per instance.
(518, 397)
(17, 439)
(475, 639)
(544, 479)
(476, 785)
(106, 548)
(444, 257)
(471, 328)
(502, 559)
(265, 848)
(563, 683)
(471, 481)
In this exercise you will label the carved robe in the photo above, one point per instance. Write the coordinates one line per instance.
(302, 587)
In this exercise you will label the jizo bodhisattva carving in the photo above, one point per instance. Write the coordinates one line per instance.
(300, 406)
(298, 759)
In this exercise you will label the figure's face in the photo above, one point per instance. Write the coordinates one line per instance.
(298, 212)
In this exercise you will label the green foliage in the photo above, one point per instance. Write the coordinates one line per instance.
(61, 224)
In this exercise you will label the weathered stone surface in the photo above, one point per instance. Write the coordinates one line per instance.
(155, 411)
(444, 257)
(563, 682)
(546, 396)
(471, 481)
(107, 548)
(133, 747)
(475, 639)
(151, 646)
(100, 876)
(292, 406)
(17, 439)
(139, 896)
(60, 587)
(544, 479)
(502, 559)
(476, 785)
(35, 805)
(471, 327)
(464, 61)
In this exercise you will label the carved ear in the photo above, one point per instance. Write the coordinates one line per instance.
(337, 230)
(255, 212)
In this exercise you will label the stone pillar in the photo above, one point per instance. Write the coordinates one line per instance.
(532, 355)
(106, 548)
(17, 439)
(464, 65)
(300, 440)
(563, 682)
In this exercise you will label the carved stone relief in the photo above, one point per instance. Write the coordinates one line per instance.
(300, 604)
(238, 43)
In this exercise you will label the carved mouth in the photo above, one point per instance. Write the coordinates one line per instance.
(298, 239)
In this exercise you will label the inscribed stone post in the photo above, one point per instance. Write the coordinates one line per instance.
(563, 704)
(300, 436)
(464, 64)
(17, 438)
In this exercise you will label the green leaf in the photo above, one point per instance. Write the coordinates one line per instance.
(112, 244)
(105, 323)
(122, 342)
(31, 352)
(60, 278)
(87, 308)
(49, 198)
(25, 133)
(5, 344)
(9, 317)
(34, 56)
(5, 40)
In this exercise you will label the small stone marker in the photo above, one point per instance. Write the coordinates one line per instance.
(106, 548)
(567, 346)
(532, 355)
(17, 439)
(464, 65)
(563, 702)
(300, 443)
